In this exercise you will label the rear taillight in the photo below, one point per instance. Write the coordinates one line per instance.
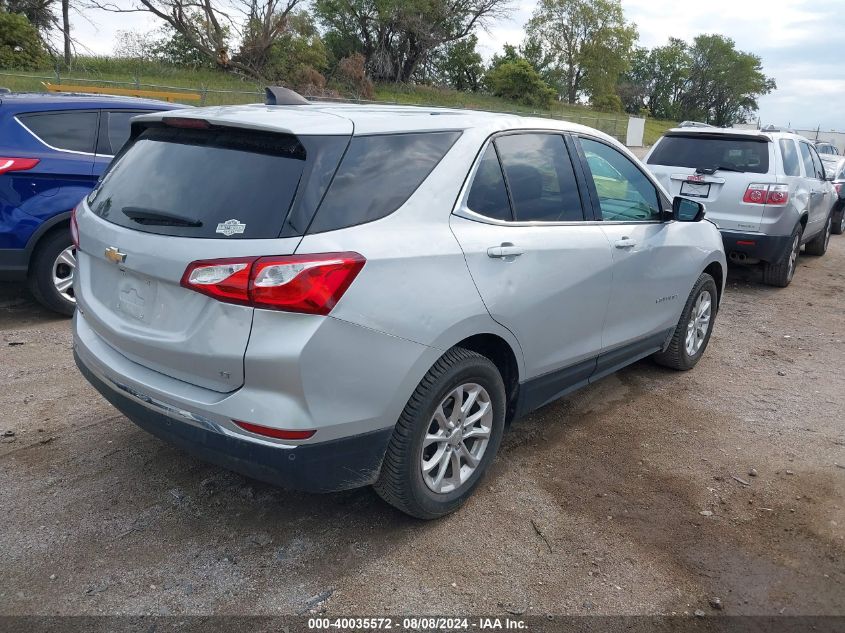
(837, 186)
(17, 164)
(312, 284)
(766, 194)
(74, 227)
(279, 434)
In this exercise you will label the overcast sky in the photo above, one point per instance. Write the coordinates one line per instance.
(799, 41)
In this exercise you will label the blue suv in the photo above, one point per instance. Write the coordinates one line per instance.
(53, 148)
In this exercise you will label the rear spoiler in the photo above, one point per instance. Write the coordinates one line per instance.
(687, 133)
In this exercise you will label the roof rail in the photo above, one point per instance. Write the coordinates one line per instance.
(277, 95)
(693, 124)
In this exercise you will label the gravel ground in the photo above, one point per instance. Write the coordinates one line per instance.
(651, 492)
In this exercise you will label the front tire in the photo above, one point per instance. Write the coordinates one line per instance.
(818, 245)
(51, 272)
(694, 327)
(838, 227)
(446, 437)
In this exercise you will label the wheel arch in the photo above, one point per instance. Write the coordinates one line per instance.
(60, 221)
(715, 270)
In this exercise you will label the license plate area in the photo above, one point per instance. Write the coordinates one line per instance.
(695, 189)
(136, 296)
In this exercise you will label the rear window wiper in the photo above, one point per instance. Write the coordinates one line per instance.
(712, 170)
(153, 217)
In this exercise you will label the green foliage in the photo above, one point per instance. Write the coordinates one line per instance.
(174, 48)
(20, 46)
(397, 37)
(298, 55)
(517, 80)
(39, 13)
(461, 65)
(709, 81)
(580, 46)
(724, 83)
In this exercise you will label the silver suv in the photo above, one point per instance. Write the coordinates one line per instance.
(329, 296)
(766, 191)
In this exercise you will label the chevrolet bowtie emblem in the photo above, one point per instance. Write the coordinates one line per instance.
(114, 255)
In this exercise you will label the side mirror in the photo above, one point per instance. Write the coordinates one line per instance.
(686, 210)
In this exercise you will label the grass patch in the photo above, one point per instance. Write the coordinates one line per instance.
(219, 88)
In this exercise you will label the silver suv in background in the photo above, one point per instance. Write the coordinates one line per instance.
(766, 191)
(830, 156)
(329, 296)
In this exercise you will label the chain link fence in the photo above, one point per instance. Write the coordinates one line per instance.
(614, 125)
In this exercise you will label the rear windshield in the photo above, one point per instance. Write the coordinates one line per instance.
(202, 183)
(700, 151)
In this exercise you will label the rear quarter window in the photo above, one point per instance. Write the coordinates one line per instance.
(73, 131)
(791, 160)
(377, 176)
(705, 151)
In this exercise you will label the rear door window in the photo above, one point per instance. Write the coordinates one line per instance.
(214, 183)
(540, 178)
(74, 131)
(377, 176)
(791, 161)
(807, 159)
(818, 168)
(708, 151)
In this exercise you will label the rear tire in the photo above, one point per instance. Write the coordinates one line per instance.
(694, 327)
(818, 245)
(780, 273)
(51, 271)
(419, 449)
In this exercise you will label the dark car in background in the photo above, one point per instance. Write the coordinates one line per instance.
(53, 149)
(839, 205)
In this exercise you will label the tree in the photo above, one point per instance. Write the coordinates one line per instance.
(298, 55)
(208, 25)
(461, 65)
(657, 80)
(517, 80)
(724, 83)
(20, 46)
(583, 44)
(397, 36)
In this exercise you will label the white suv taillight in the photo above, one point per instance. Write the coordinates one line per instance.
(312, 284)
(758, 193)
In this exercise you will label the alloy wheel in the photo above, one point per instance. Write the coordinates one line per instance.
(456, 438)
(793, 256)
(699, 323)
(64, 268)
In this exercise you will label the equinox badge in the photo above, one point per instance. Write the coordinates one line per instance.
(114, 255)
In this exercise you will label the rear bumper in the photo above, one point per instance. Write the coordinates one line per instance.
(768, 248)
(323, 467)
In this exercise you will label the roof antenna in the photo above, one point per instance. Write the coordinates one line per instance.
(276, 95)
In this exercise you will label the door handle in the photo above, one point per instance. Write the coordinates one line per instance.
(505, 250)
(625, 242)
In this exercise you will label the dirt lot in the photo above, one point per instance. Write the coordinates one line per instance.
(634, 496)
